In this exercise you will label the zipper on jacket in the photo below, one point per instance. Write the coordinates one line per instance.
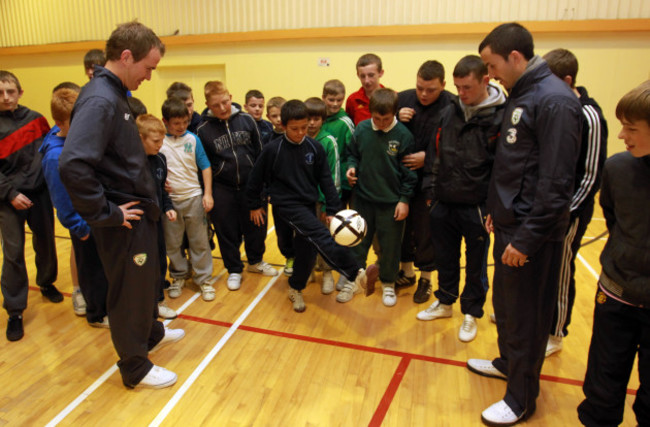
(234, 153)
(480, 215)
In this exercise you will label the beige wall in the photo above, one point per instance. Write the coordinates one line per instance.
(610, 65)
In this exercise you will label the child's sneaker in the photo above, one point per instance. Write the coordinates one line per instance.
(262, 267)
(327, 287)
(234, 281)
(404, 281)
(166, 312)
(298, 302)
(207, 292)
(78, 303)
(348, 291)
(341, 283)
(176, 288)
(388, 294)
(158, 377)
(288, 267)
(435, 311)
(423, 292)
(468, 329)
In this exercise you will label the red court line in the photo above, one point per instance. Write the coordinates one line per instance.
(382, 351)
(387, 399)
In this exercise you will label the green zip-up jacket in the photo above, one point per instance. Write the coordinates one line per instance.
(342, 128)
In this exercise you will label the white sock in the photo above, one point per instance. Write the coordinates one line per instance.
(425, 275)
(407, 267)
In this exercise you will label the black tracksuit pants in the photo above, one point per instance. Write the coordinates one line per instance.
(312, 237)
(417, 246)
(92, 279)
(524, 298)
(285, 235)
(40, 218)
(130, 260)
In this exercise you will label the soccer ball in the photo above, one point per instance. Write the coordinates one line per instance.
(348, 227)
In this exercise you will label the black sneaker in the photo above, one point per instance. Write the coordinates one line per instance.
(403, 281)
(15, 328)
(423, 292)
(52, 293)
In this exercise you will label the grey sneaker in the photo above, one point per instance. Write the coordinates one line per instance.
(176, 288)
(78, 303)
(327, 287)
(341, 282)
(166, 312)
(207, 292)
(262, 267)
(298, 302)
(348, 291)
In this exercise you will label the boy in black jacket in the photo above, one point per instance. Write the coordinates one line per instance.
(293, 167)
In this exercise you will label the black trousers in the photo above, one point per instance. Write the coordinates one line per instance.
(620, 332)
(40, 218)
(417, 246)
(231, 219)
(451, 223)
(567, 282)
(130, 260)
(523, 299)
(92, 279)
(312, 237)
(162, 259)
(285, 235)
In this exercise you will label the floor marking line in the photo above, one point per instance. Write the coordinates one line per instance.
(586, 264)
(102, 379)
(389, 395)
(206, 361)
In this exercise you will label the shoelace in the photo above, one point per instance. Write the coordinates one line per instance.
(467, 325)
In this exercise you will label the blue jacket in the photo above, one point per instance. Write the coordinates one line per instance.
(69, 218)
(535, 163)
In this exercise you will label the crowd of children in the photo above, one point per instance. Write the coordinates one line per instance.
(417, 165)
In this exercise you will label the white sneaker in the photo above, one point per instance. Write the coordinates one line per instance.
(348, 291)
(554, 345)
(468, 329)
(362, 281)
(500, 414)
(176, 288)
(166, 312)
(298, 302)
(262, 267)
(158, 377)
(327, 287)
(234, 281)
(341, 283)
(436, 310)
(486, 368)
(207, 292)
(78, 303)
(171, 336)
(388, 294)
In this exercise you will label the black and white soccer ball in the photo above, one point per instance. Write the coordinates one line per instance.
(348, 227)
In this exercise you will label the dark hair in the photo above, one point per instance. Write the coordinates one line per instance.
(367, 59)
(174, 107)
(8, 76)
(563, 63)
(67, 85)
(177, 87)
(432, 70)
(253, 93)
(182, 94)
(316, 107)
(635, 105)
(293, 110)
(471, 64)
(383, 101)
(508, 37)
(94, 57)
(333, 87)
(136, 106)
(135, 37)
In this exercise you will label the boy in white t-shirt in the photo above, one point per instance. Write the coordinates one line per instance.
(185, 158)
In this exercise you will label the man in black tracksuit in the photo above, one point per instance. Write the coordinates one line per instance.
(456, 176)
(232, 143)
(528, 203)
(105, 170)
(419, 110)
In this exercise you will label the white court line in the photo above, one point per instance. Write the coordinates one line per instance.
(204, 363)
(586, 264)
(102, 379)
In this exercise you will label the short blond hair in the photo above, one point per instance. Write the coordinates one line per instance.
(214, 87)
(62, 103)
(148, 124)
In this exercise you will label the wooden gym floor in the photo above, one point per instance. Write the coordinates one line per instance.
(249, 359)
